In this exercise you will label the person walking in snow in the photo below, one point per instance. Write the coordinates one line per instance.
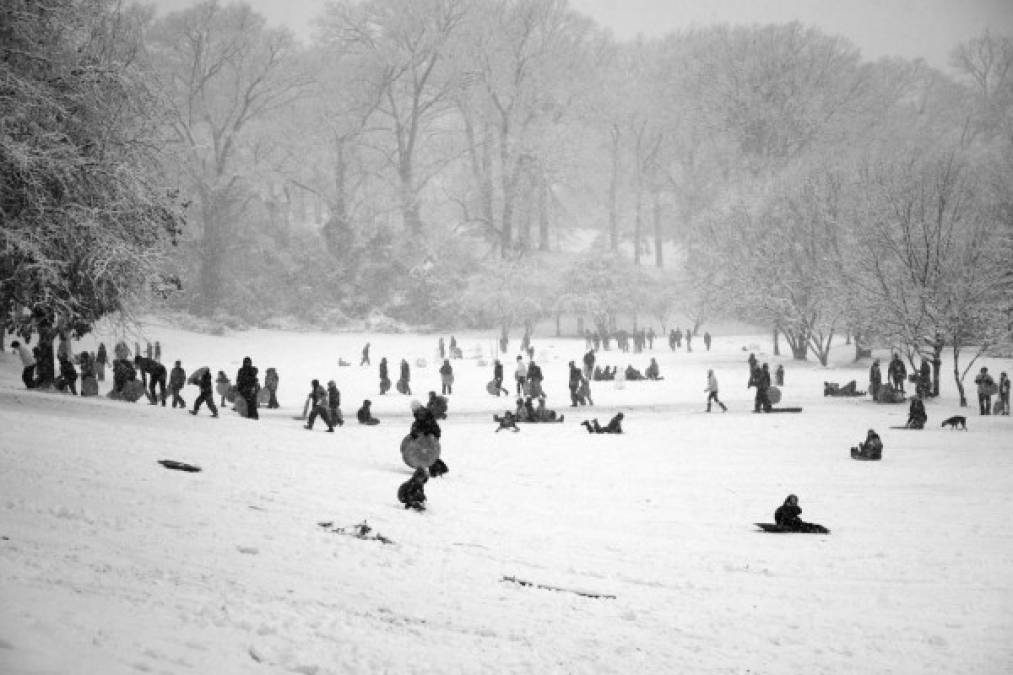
(271, 384)
(384, 377)
(222, 386)
(986, 388)
(521, 375)
(761, 380)
(497, 378)
(318, 403)
(404, 384)
(177, 380)
(589, 359)
(574, 384)
(712, 391)
(1004, 388)
(334, 405)
(898, 372)
(207, 395)
(365, 356)
(535, 380)
(442, 348)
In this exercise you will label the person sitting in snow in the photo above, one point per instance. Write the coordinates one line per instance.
(634, 374)
(613, 427)
(653, 372)
(543, 414)
(916, 417)
(412, 492)
(787, 516)
(365, 415)
(870, 448)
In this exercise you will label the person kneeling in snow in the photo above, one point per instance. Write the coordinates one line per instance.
(412, 492)
(614, 426)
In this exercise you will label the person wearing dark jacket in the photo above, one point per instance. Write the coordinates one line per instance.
(334, 404)
(986, 388)
(507, 421)
(761, 380)
(707, 340)
(365, 414)
(425, 424)
(365, 356)
(574, 384)
(653, 372)
(897, 372)
(207, 394)
(535, 379)
(247, 386)
(615, 426)
(787, 516)
(177, 380)
(318, 401)
(68, 375)
(779, 375)
(447, 375)
(101, 359)
(1003, 394)
(404, 384)
(916, 416)
(589, 360)
(497, 378)
(156, 377)
(870, 448)
(412, 492)
(875, 380)
(384, 377)
(271, 384)
(438, 406)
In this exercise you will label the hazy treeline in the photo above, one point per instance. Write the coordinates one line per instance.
(492, 162)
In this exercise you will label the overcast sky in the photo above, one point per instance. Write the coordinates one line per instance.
(907, 28)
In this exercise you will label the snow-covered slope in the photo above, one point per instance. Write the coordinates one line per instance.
(110, 563)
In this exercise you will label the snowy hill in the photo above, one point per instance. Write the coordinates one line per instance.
(110, 563)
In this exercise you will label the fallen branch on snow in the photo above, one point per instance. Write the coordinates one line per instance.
(547, 587)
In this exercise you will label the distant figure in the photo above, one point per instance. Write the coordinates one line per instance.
(871, 448)
(521, 375)
(761, 380)
(334, 404)
(441, 346)
(454, 351)
(779, 375)
(897, 372)
(156, 372)
(318, 401)
(68, 376)
(689, 340)
(247, 386)
(712, 391)
(412, 492)
(1004, 388)
(526, 340)
(707, 340)
(671, 339)
(404, 383)
(365, 356)
(271, 384)
(653, 372)
(27, 364)
(497, 378)
(158, 351)
(534, 380)
(875, 380)
(207, 394)
(177, 380)
(916, 417)
(614, 426)
(384, 377)
(986, 389)
(365, 414)
(504, 341)
(787, 516)
(574, 384)
(222, 386)
(447, 376)
(507, 421)
(650, 337)
(101, 359)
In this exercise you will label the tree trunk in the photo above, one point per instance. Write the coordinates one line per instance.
(558, 317)
(777, 346)
(659, 259)
(45, 370)
(956, 376)
(212, 259)
(543, 216)
(937, 365)
(613, 193)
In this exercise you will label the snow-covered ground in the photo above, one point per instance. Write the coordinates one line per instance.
(110, 563)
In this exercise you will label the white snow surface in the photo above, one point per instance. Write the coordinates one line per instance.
(110, 563)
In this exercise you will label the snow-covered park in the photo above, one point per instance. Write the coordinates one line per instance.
(110, 563)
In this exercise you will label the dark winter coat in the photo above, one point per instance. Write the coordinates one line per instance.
(101, 356)
(589, 360)
(67, 370)
(383, 369)
(497, 372)
(246, 380)
(177, 378)
(787, 515)
(271, 380)
(425, 424)
(534, 373)
(446, 369)
(149, 366)
(207, 385)
(412, 492)
(575, 376)
(333, 397)
(875, 377)
(365, 415)
(898, 371)
(985, 384)
(405, 371)
(615, 425)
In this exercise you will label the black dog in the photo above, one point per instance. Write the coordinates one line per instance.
(955, 421)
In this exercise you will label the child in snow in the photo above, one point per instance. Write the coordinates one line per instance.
(507, 421)
(613, 427)
(365, 415)
(412, 492)
(916, 417)
(871, 448)
(787, 516)
(222, 386)
(207, 394)
(177, 378)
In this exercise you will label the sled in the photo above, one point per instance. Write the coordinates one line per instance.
(420, 453)
(774, 395)
(774, 527)
(909, 428)
(239, 405)
(264, 396)
(492, 388)
(785, 410)
(178, 466)
(196, 376)
(89, 387)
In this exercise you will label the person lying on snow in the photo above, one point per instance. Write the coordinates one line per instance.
(507, 421)
(787, 516)
(412, 492)
(871, 448)
(614, 426)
